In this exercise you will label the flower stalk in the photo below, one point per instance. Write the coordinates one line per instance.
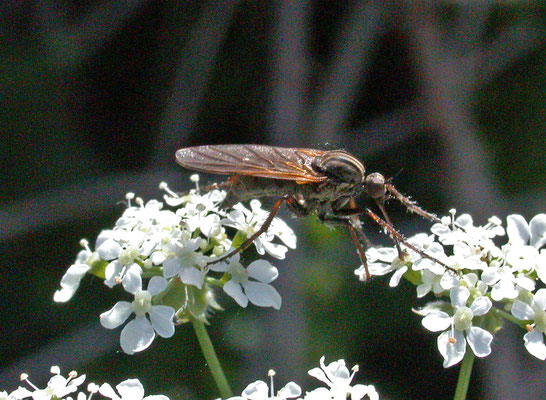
(212, 359)
(464, 376)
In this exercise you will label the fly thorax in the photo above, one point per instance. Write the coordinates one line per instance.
(340, 166)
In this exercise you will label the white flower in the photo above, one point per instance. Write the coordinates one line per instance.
(124, 270)
(381, 261)
(138, 233)
(521, 233)
(73, 275)
(139, 333)
(202, 212)
(119, 247)
(146, 217)
(337, 377)
(208, 224)
(446, 230)
(243, 290)
(57, 387)
(15, 395)
(505, 283)
(185, 260)
(260, 391)
(131, 389)
(471, 244)
(534, 311)
(449, 232)
(437, 283)
(250, 221)
(452, 342)
(525, 240)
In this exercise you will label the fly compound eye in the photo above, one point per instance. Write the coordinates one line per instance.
(339, 166)
(375, 186)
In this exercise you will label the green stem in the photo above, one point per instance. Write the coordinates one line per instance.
(464, 375)
(212, 359)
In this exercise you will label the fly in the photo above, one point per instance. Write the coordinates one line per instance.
(307, 181)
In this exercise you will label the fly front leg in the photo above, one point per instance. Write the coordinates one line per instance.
(398, 237)
(410, 204)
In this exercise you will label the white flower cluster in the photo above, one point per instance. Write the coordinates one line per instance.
(478, 273)
(172, 251)
(335, 375)
(61, 388)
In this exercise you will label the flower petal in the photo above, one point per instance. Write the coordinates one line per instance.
(537, 226)
(540, 299)
(131, 389)
(117, 315)
(481, 305)
(525, 282)
(132, 280)
(522, 310)
(453, 352)
(273, 249)
(383, 254)
(108, 391)
(504, 289)
(192, 276)
(256, 390)
(70, 282)
(359, 391)
(262, 295)
(157, 285)
(289, 391)
(137, 335)
(459, 295)
(397, 276)
(111, 272)
(171, 267)
(517, 230)
(534, 343)
(479, 341)
(262, 271)
(320, 375)
(235, 291)
(162, 320)
(436, 321)
(109, 249)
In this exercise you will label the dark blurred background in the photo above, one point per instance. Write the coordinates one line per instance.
(447, 98)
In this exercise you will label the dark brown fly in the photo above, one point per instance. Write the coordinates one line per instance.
(307, 180)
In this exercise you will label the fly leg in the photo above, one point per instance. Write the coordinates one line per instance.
(380, 191)
(358, 237)
(409, 204)
(349, 217)
(389, 222)
(263, 228)
(399, 238)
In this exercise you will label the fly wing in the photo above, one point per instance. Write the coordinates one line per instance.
(254, 160)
